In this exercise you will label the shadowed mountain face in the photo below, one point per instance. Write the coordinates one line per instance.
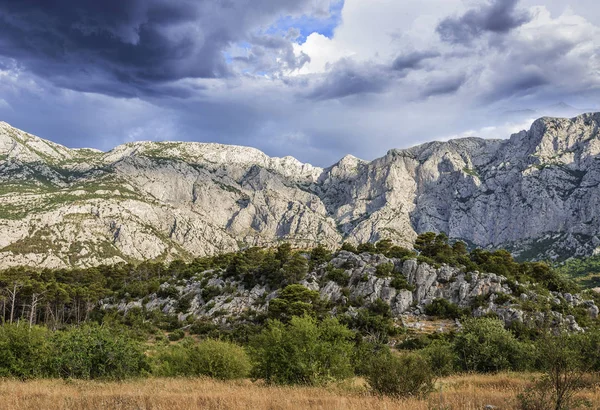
(536, 193)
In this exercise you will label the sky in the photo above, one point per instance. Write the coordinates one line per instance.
(315, 79)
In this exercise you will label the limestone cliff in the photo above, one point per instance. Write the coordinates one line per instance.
(535, 193)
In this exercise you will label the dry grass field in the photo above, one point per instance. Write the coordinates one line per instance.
(458, 392)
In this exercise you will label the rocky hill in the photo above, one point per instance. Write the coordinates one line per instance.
(535, 194)
(350, 283)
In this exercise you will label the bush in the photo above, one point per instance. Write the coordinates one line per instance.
(176, 335)
(400, 376)
(383, 270)
(400, 253)
(443, 309)
(94, 352)
(302, 352)
(23, 351)
(374, 320)
(484, 345)
(337, 275)
(348, 247)
(213, 358)
(399, 282)
(168, 292)
(219, 359)
(441, 357)
(366, 247)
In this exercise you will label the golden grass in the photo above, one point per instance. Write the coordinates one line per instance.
(457, 392)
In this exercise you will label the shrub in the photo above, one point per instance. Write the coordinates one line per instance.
(400, 253)
(211, 292)
(219, 359)
(502, 298)
(366, 247)
(213, 358)
(441, 357)
(337, 275)
(348, 247)
(427, 260)
(202, 327)
(384, 270)
(302, 352)
(94, 352)
(400, 376)
(168, 292)
(374, 320)
(23, 351)
(183, 304)
(484, 345)
(443, 309)
(176, 335)
(399, 282)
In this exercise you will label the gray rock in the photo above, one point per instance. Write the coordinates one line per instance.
(150, 200)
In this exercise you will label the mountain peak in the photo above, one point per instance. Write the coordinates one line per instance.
(168, 200)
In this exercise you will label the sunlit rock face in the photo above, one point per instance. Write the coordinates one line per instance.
(536, 193)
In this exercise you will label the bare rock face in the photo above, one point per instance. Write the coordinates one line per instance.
(535, 193)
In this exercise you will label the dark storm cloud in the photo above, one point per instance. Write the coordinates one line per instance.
(349, 78)
(412, 60)
(445, 85)
(133, 47)
(516, 83)
(495, 16)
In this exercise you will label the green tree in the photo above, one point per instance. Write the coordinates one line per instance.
(435, 247)
(384, 246)
(460, 248)
(284, 253)
(302, 352)
(484, 345)
(564, 361)
(296, 268)
(295, 300)
(319, 256)
(400, 253)
(348, 247)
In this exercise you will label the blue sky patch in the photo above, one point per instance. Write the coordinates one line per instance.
(310, 24)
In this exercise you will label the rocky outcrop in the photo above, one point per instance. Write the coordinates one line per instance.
(535, 193)
(214, 296)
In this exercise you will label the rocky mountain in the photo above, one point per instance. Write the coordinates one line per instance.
(535, 193)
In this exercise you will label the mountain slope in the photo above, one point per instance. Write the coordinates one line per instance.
(535, 193)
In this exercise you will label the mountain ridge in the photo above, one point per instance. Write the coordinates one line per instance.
(166, 200)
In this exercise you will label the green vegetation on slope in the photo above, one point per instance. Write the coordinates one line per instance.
(585, 271)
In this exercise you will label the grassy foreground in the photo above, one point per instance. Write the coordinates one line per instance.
(458, 392)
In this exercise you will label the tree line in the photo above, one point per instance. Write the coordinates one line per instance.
(58, 297)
